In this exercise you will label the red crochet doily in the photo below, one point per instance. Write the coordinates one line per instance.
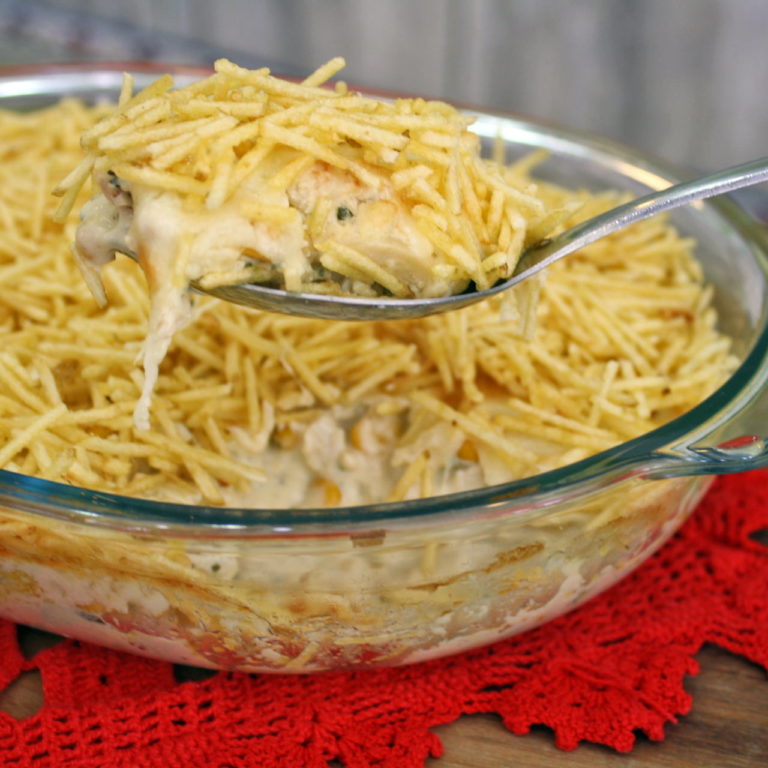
(613, 667)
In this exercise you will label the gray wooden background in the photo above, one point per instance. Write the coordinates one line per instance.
(685, 79)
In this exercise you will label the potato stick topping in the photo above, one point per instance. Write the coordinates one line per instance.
(246, 177)
(199, 141)
(624, 337)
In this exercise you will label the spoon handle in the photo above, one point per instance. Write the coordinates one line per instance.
(541, 255)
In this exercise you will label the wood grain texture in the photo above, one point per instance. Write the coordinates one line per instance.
(727, 727)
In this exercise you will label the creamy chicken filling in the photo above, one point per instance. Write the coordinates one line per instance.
(285, 238)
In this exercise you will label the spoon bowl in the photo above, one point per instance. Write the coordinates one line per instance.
(533, 260)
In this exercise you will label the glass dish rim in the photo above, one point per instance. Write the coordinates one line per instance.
(631, 457)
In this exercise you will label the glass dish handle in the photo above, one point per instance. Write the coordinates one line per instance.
(726, 445)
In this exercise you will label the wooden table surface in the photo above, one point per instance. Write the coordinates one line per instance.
(727, 728)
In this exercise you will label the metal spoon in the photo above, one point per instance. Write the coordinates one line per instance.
(533, 260)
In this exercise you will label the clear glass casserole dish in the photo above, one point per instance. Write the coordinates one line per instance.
(313, 590)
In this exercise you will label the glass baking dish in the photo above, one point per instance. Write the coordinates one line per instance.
(313, 590)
